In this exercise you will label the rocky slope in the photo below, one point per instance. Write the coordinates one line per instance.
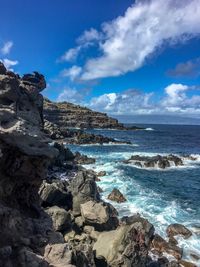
(68, 115)
(51, 212)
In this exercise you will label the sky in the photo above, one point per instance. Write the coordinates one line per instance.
(135, 60)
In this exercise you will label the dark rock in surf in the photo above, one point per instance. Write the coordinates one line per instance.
(116, 196)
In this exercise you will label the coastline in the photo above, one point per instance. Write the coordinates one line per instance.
(68, 223)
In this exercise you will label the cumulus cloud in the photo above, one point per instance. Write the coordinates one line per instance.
(5, 50)
(9, 63)
(176, 100)
(129, 40)
(130, 101)
(72, 72)
(190, 68)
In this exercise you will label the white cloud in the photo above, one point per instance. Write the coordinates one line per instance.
(177, 99)
(9, 63)
(89, 36)
(70, 54)
(72, 72)
(5, 50)
(87, 39)
(129, 40)
(127, 102)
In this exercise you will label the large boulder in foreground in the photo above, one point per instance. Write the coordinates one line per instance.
(126, 246)
(178, 229)
(101, 215)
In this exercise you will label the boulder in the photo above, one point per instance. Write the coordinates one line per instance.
(187, 264)
(178, 229)
(116, 196)
(128, 245)
(101, 215)
(83, 188)
(160, 245)
(64, 155)
(58, 255)
(55, 194)
(83, 159)
(61, 218)
(101, 173)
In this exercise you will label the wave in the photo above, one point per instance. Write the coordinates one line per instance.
(149, 129)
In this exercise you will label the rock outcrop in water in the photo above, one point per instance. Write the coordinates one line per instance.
(158, 161)
(46, 220)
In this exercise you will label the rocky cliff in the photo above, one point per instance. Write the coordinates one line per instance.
(68, 115)
(51, 212)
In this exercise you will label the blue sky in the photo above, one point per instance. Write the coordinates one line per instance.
(126, 58)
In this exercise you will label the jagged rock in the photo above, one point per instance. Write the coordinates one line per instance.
(58, 255)
(160, 245)
(83, 255)
(61, 218)
(83, 188)
(52, 130)
(55, 237)
(101, 173)
(69, 235)
(101, 215)
(79, 221)
(187, 264)
(116, 196)
(158, 161)
(64, 155)
(178, 229)
(83, 159)
(55, 193)
(24, 158)
(2, 69)
(127, 245)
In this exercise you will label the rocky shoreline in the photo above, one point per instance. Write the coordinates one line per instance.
(51, 211)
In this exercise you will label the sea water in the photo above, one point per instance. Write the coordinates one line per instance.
(162, 196)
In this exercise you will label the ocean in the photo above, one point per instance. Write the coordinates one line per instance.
(162, 196)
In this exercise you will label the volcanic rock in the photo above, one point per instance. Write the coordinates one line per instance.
(116, 196)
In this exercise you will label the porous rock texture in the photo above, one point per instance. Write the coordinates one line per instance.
(24, 158)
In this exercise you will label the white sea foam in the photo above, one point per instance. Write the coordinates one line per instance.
(145, 201)
(149, 129)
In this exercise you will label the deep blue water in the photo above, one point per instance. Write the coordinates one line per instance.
(162, 196)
